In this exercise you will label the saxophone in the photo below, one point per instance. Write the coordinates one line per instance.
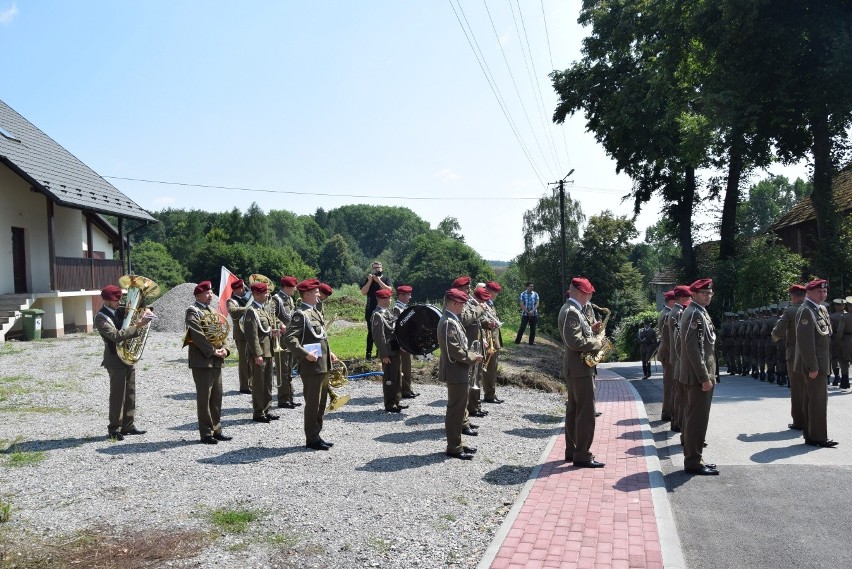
(592, 359)
(139, 289)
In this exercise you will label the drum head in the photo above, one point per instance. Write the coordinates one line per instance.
(416, 329)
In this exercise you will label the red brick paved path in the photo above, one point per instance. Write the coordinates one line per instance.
(591, 517)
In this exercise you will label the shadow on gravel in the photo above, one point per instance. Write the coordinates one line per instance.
(250, 455)
(629, 422)
(678, 478)
(377, 415)
(404, 462)
(633, 482)
(120, 448)
(366, 401)
(542, 418)
(438, 403)
(641, 450)
(785, 435)
(182, 396)
(425, 420)
(412, 436)
(530, 433)
(50, 444)
(508, 475)
(772, 454)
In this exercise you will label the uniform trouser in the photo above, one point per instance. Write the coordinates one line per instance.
(668, 390)
(580, 418)
(815, 401)
(122, 398)
(261, 387)
(405, 373)
(208, 399)
(533, 321)
(797, 395)
(646, 359)
(390, 382)
(369, 318)
(456, 418)
(489, 378)
(284, 373)
(696, 415)
(316, 398)
(243, 368)
(771, 355)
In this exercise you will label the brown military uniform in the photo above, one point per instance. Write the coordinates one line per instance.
(675, 391)
(206, 372)
(404, 357)
(284, 306)
(381, 325)
(785, 330)
(697, 365)
(473, 319)
(489, 376)
(453, 369)
(813, 353)
(575, 327)
(237, 308)
(122, 377)
(663, 354)
(258, 326)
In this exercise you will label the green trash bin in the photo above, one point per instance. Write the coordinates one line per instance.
(32, 323)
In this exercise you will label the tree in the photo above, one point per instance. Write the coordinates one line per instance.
(450, 227)
(152, 260)
(243, 260)
(766, 270)
(335, 262)
(658, 252)
(371, 229)
(768, 200)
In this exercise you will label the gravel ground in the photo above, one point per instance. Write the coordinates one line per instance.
(384, 496)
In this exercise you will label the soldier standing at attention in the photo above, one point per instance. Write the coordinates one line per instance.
(453, 368)
(282, 302)
(813, 358)
(489, 377)
(307, 330)
(683, 297)
(122, 377)
(237, 303)
(403, 297)
(647, 338)
(837, 325)
(781, 348)
(697, 375)
(388, 351)
(664, 353)
(785, 331)
(770, 348)
(259, 329)
(579, 335)
(206, 361)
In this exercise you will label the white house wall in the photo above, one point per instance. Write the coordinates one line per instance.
(28, 210)
(100, 242)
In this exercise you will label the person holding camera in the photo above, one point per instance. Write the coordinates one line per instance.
(376, 281)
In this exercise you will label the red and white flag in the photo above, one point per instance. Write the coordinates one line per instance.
(227, 278)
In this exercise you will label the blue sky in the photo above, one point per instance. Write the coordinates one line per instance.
(314, 103)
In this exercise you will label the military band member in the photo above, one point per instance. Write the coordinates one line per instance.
(237, 303)
(726, 335)
(785, 331)
(781, 348)
(260, 329)
(579, 334)
(284, 306)
(698, 376)
(739, 340)
(307, 330)
(683, 297)
(403, 297)
(813, 359)
(122, 377)
(489, 377)
(769, 346)
(206, 361)
(388, 351)
(837, 325)
(663, 354)
(647, 338)
(453, 369)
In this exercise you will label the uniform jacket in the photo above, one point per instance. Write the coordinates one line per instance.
(846, 351)
(575, 327)
(109, 327)
(473, 319)
(200, 349)
(837, 325)
(284, 307)
(308, 327)
(674, 334)
(697, 346)
(785, 328)
(665, 337)
(647, 338)
(381, 324)
(237, 308)
(491, 316)
(258, 326)
(456, 357)
(813, 339)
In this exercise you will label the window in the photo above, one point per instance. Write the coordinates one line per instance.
(9, 135)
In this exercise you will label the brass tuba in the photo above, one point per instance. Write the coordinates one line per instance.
(592, 359)
(139, 289)
(337, 379)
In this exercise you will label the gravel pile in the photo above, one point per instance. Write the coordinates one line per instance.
(384, 496)
(170, 308)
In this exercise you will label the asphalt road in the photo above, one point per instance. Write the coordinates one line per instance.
(777, 503)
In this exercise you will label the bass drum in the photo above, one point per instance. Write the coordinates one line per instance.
(416, 329)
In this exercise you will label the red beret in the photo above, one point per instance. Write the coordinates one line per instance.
(701, 284)
(461, 282)
(383, 293)
(796, 289)
(583, 285)
(816, 283)
(456, 294)
(494, 285)
(288, 281)
(404, 289)
(326, 289)
(203, 286)
(111, 292)
(237, 284)
(682, 291)
(668, 295)
(482, 294)
(308, 284)
(259, 288)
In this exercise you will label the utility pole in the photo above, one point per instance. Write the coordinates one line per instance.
(562, 226)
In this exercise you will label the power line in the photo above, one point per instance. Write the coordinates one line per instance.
(553, 68)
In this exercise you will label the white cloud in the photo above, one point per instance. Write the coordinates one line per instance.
(163, 202)
(8, 14)
(446, 175)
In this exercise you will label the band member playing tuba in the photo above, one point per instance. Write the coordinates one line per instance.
(492, 333)
(237, 308)
(381, 324)
(205, 360)
(122, 377)
(403, 297)
(260, 327)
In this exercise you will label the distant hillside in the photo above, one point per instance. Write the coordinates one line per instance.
(496, 264)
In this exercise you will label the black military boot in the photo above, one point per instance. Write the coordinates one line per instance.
(762, 375)
(836, 381)
(782, 379)
(844, 381)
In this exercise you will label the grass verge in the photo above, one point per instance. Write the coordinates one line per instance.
(233, 520)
